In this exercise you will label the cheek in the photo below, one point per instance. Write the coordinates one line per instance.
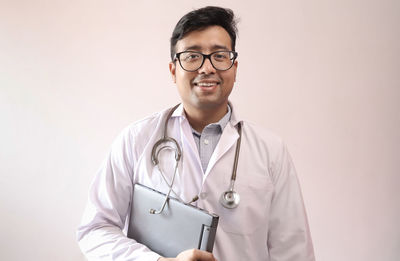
(229, 78)
(180, 77)
(184, 77)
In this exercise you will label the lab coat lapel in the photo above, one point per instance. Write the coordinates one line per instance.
(192, 172)
(228, 139)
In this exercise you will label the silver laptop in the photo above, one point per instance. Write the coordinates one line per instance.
(177, 228)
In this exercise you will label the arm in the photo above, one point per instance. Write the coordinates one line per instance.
(289, 237)
(100, 234)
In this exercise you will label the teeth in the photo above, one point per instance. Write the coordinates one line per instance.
(206, 84)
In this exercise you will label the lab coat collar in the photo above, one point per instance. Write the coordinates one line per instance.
(180, 112)
(235, 117)
(228, 140)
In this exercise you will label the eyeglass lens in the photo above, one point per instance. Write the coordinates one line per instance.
(192, 61)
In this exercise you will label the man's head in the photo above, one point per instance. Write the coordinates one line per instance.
(204, 62)
(202, 18)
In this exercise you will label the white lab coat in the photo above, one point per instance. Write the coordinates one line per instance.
(269, 224)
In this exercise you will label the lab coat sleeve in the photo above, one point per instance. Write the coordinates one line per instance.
(289, 237)
(100, 234)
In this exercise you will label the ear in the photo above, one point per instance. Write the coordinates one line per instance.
(172, 70)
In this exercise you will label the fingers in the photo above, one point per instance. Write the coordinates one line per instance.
(203, 255)
(195, 255)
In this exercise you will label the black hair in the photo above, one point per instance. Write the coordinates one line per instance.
(202, 18)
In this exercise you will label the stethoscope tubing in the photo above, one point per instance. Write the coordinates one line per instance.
(229, 199)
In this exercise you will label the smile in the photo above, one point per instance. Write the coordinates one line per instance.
(206, 84)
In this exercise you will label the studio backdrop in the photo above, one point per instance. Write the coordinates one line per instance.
(323, 75)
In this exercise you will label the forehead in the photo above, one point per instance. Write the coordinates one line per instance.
(211, 38)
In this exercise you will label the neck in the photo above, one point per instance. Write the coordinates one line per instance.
(200, 118)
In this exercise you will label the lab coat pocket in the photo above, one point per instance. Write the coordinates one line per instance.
(252, 212)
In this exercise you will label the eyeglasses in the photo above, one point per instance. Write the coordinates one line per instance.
(192, 61)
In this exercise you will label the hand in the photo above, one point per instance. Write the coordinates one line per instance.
(191, 255)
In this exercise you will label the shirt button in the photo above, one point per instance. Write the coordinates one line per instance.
(206, 141)
(203, 195)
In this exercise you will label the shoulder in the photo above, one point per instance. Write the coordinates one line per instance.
(261, 135)
(141, 130)
(146, 125)
(265, 146)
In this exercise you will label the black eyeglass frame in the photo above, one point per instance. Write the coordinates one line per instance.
(205, 56)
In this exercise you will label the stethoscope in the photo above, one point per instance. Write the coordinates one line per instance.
(229, 199)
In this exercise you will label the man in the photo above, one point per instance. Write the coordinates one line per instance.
(268, 224)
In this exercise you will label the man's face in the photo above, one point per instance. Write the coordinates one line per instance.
(207, 88)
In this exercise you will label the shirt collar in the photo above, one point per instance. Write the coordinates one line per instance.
(222, 122)
(233, 117)
(217, 126)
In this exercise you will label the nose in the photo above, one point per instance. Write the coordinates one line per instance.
(207, 67)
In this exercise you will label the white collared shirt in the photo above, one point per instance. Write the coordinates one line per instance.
(269, 224)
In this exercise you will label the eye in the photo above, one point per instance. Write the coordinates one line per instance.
(221, 56)
(190, 57)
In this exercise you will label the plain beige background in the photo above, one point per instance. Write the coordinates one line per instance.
(323, 74)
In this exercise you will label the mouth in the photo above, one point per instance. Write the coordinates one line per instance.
(206, 84)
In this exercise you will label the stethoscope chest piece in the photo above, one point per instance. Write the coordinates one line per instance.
(230, 199)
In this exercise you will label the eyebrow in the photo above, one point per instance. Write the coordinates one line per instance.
(214, 47)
